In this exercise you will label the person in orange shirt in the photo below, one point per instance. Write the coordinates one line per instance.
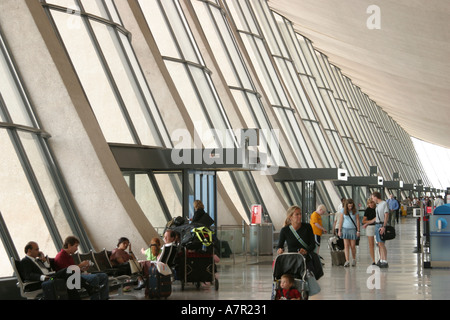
(316, 224)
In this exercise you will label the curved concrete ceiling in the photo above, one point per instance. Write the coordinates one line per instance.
(404, 66)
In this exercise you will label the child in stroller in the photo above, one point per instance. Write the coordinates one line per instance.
(287, 289)
(292, 265)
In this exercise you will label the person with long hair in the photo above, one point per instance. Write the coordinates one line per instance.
(293, 223)
(199, 211)
(368, 223)
(349, 231)
(153, 251)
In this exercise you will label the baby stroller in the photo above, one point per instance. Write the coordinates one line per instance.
(294, 264)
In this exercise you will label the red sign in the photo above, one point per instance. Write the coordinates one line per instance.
(256, 213)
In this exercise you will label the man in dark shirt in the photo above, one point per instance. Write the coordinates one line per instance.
(96, 284)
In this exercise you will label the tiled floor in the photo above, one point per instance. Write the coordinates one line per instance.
(405, 279)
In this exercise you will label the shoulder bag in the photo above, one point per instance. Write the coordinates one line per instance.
(313, 285)
(313, 263)
(389, 232)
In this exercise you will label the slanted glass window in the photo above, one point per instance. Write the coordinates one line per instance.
(146, 194)
(33, 204)
(101, 52)
(290, 76)
(185, 64)
(237, 76)
(249, 29)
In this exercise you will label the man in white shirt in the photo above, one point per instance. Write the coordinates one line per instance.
(382, 216)
(439, 201)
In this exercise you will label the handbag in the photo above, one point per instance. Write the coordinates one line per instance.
(313, 264)
(357, 239)
(135, 266)
(313, 285)
(389, 232)
(163, 268)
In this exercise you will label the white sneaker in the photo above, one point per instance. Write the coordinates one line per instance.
(347, 264)
(353, 263)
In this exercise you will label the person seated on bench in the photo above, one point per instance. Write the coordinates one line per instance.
(96, 284)
(152, 253)
(120, 259)
(170, 248)
(36, 267)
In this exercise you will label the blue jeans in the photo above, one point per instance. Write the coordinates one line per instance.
(377, 232)
(99, 280)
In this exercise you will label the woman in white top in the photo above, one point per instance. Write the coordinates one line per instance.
(338, 217)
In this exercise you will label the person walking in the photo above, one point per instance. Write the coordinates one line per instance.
(349, 231)
(393, 207)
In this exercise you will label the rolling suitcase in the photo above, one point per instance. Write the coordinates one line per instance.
(337, 258)
(337, 252)
(158, 285)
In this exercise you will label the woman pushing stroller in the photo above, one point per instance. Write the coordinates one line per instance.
(301, 260)
(298, 236)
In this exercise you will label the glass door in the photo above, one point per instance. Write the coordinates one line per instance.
(309, 199)
(203, 187)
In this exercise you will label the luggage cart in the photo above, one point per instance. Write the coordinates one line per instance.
(197, 267)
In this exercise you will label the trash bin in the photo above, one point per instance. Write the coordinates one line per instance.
(440, 237)
(261, 239)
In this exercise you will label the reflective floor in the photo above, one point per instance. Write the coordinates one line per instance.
(250, 278)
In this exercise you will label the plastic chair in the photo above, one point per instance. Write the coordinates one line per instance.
(34, 294)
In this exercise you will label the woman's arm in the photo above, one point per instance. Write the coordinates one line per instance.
(341, 220)
(358, 226)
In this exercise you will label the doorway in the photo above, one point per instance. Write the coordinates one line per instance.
(200, 185)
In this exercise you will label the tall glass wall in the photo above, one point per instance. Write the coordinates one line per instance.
(102, 55)
(34, 205)
(100, 50)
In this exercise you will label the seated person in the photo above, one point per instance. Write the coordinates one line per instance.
(169, 249)
(286, 291)
(121, 260)
(170, 236)
(36, 267)
(152, 253)
(96, 284)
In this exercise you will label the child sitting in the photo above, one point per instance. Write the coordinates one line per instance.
(286, 292)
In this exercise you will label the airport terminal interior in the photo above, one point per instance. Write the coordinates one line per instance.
(249, 277)
(116, 115)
